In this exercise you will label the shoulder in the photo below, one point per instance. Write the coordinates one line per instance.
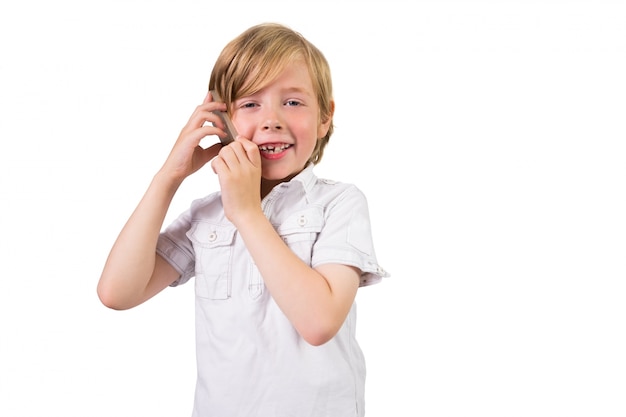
(334, 192)
(208, 207)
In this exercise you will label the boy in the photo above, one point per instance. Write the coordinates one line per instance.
(277, 254)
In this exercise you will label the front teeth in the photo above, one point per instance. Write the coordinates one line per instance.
(273, 148)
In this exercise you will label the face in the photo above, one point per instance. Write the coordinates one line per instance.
(283, 120)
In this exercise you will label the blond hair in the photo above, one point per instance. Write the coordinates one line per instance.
(255, 58)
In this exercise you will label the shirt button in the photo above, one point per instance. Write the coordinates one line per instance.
(212, 236)
(301, 220)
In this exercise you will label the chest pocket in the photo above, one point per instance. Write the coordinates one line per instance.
(213, 246)
(300, 230)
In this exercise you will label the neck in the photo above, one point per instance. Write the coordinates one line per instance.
(268, 185)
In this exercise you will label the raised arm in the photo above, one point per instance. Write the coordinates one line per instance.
(133, 271)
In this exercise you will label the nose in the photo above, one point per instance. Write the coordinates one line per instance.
(271, 121)
(272, 125)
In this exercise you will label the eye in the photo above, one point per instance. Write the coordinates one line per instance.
(292, 103)
(248, 105)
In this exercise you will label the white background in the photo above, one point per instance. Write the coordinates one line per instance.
(488, 137)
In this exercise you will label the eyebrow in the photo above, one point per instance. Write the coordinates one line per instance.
(287, 90)
(296, 90)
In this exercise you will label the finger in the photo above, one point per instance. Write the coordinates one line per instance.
(204, 114)
(232, 154)
(218, 165)
(190, 138)
(251, 150)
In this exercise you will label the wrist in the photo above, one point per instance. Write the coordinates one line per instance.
(249, 219)
(166, 181)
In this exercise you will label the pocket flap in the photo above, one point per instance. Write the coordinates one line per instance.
(210, 235)
(310, 219)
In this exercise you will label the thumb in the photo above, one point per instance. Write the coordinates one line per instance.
(205, 155)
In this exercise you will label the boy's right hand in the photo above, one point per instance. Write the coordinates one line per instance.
(187, 156)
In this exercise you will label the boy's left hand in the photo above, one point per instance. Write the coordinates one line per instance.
(238, 167)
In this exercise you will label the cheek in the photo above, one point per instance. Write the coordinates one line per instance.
(307, 138)
(244, 127)
(307, 128)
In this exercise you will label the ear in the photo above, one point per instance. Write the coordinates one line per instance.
(326, 121)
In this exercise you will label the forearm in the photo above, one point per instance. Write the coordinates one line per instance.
(316, 305)
(131, 262)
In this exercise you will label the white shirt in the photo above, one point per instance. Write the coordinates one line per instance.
(251, 361)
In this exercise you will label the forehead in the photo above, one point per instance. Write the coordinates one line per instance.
(294, 75)
(294, 69)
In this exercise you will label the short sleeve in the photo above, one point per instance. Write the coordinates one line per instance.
(346, 237)
(176, 248)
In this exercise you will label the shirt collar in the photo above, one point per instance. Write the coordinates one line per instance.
(306, 177)
(302, 183)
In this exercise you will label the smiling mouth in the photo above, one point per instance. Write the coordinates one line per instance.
(271, 149)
